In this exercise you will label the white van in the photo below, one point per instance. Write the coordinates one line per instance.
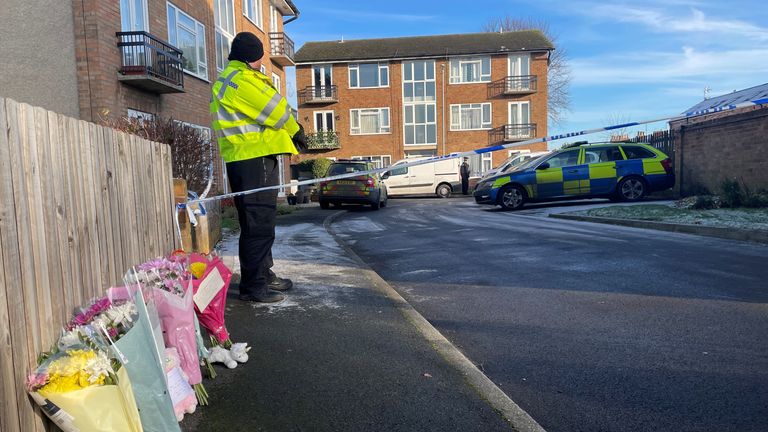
(513, 160)
(439, 178)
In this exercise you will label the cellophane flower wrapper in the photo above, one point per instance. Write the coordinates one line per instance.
(146, 369)
(218, 276)
(177, 317)
(80, 401)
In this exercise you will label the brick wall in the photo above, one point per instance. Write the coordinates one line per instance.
(98, 61)
(393, 143)
(722, 147)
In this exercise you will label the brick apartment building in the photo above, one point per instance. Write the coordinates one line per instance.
(388, 99)
(136, 58)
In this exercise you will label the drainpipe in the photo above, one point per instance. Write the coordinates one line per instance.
(442, 77)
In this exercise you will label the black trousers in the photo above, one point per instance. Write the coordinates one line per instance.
(256, 213)
(465, 185)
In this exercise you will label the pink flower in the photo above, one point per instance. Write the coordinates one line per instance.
(35, 380)
(112, 332)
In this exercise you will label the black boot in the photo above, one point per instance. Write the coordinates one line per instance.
(268, 297)
(278, 283)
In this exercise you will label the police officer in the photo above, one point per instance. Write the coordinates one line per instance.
(464, 172)
(253, 125)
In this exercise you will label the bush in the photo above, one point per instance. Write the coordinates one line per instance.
(191, 151)
(318, 166)
(732, 193)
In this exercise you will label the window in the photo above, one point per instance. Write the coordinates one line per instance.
(566, 158)
(378, 161)
(276, 81)
(224, 18)
(470, 70)
(263, 69)
(140, 116)
(398, 171)
(133, 15)
(471, 116)
(188, 35)
(252, 11)
(634, 152)
(365, 75)
(204, 131)
(420, 125)
(605, 154)
(369, 121)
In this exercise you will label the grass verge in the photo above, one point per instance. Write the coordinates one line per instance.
(742, 218)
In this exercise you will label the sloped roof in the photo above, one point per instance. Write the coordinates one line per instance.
(746, 95)
(423, 46)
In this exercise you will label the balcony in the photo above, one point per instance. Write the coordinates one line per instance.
(149, 63)
(512, 132)
(281, 49)
(318, 95)
(513, 85)
(323, 141)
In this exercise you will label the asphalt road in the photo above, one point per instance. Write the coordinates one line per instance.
(588, 327)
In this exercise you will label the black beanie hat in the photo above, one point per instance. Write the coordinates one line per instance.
(246, 47)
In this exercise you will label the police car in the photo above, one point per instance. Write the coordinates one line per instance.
(625, 171)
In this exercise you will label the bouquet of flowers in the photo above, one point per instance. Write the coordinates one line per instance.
(80, 388)
(124, 323)
(210, 285)
(166, 279)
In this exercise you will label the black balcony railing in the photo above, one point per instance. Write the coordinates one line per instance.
(513, 85)
(512, 132)
(323, 140)
(150, 63)
(281, 48)
(318, 95)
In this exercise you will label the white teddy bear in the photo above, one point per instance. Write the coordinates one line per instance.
(239, 352)
(220, 355)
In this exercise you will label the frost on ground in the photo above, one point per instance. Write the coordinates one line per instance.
(744, 218)
(322, 274)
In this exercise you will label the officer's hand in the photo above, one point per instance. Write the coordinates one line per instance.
(300, 140)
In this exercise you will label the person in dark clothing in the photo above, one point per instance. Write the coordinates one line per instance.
(254, 125)
(464, 171)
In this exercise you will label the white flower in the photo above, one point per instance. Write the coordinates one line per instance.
(122, 315)
(98, 366)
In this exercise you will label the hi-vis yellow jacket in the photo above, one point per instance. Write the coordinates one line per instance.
(250, 118)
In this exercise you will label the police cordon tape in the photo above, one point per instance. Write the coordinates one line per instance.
(689, 114)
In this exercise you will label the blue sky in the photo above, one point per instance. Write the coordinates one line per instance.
(630, 61)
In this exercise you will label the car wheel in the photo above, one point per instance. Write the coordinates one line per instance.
(443, 191)
(376, 205)
(511, 197)
(324, 205)
(631, 189)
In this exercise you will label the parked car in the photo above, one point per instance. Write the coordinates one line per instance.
(439, 178)
(625, 171)
(511, 162)
(365, 189)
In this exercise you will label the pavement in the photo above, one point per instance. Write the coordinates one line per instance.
(343, 352)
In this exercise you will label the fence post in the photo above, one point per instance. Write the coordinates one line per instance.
(179, 197)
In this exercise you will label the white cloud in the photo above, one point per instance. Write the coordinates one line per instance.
(664, 22)
(659, 67)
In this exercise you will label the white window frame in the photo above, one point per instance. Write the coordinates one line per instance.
(139, 115)
(521, 60)
(324, 112)
(277, 82)
(273, 18)
(427, 81)
(457, 71)
(263, 69)
(256, 5)
(384, 128)
(456, 116)
(383, 70)
(206, 131)
(413, 102)
(527, 105)
(378, 160)
(486, 162)
(223, 37)
(132, 13)
(198, 26)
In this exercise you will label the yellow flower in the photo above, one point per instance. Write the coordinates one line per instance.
(197, 269)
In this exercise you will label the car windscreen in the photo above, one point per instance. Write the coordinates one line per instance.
(338, 169)
(525, 164)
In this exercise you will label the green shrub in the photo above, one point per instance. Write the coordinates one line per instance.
(318, 167)
(732, 193)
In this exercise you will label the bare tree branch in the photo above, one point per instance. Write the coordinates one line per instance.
(559, 71)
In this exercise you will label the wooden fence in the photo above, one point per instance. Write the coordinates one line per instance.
(79, 205)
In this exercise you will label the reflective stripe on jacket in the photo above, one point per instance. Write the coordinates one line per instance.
(250, 118)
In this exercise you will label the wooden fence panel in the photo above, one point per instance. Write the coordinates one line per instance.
(79, 205)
